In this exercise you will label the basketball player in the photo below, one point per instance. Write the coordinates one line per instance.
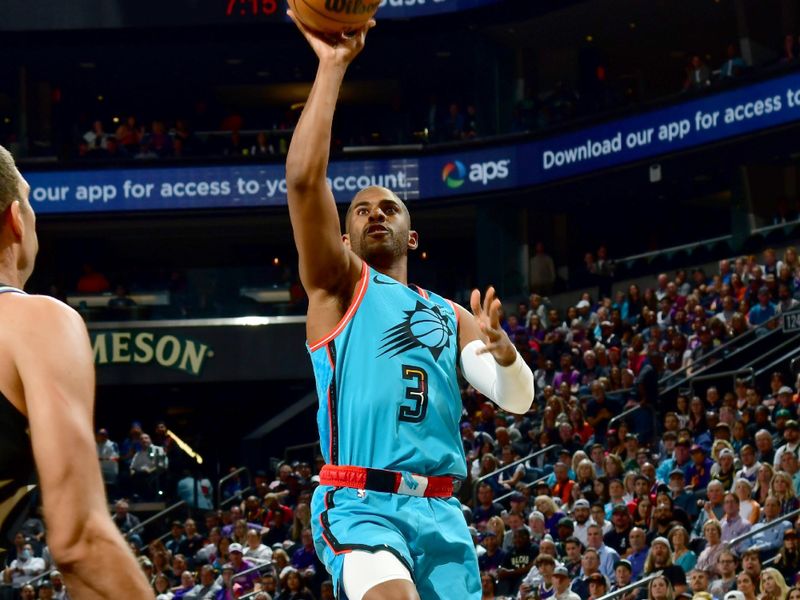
(46, 413)
(384, 355)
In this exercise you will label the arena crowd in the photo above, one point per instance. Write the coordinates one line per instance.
(624, 486)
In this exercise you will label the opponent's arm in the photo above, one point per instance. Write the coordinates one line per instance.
(56, 369)
(325, 263)
(489, 361)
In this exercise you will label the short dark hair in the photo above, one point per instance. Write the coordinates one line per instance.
(9, 179)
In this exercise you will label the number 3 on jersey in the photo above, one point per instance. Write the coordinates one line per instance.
(418, 393)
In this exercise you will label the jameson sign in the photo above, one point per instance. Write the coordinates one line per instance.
(145, 347)
(201, 350)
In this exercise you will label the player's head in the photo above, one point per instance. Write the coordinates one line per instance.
(18, 239)
(378, 226)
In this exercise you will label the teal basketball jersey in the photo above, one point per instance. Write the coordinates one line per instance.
(387, 384)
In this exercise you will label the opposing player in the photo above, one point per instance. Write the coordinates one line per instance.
(384, 355)
(46, 418)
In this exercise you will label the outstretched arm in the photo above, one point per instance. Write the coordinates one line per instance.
(325, 263)
(56, 369)
(489, 361)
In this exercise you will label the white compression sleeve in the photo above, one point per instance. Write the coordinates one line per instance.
(510, 387)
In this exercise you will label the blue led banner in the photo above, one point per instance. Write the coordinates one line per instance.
(686, 125)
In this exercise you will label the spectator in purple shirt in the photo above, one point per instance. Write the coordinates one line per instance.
(303, 558)
(568, 373)
(242, 584)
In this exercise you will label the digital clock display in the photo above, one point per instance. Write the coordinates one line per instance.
(251, 8)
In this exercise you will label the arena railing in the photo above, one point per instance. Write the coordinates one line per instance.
(623, 414)
(482, 478)
(238, 495)
(756, 530)
(40, 577)
(524, 486)
(155, 517)
(719, 349)
(254, 569)
(631, 586)
(786, 357)
(722, 374)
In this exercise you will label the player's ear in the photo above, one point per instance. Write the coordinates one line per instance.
(346, 241)
(14, 218)
(413, 240)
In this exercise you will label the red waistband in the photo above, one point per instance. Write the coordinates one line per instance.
(392, 482)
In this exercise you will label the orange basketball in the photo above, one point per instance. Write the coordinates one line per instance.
(334, 16)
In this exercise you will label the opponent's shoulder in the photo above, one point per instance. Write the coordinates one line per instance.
(34, 311)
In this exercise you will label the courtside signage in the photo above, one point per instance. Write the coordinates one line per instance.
(690, 124)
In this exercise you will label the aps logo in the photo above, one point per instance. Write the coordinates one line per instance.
(455, 172)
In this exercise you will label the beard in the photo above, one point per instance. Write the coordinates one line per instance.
(380, 252)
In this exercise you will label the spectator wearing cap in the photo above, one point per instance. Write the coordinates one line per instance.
(561, 582)
(608, 556)
(108, 455)
(494, 556)
(176, 537)
(791, 434)
(698, 473)
(763, 311)
(788, 562)
(623, 575)
(617, 538)
(680, 497)
(240, 584)
(581, 511)
(724, 469)
(637, 551)
(598, 586)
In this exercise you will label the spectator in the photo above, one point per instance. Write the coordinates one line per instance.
(698, 75)
(24, 568)
(207, 588)
(763, 311)
(127, 523)
(92, 282)
(660, 588)
(240, 584)
(146, 466)
(734, 65)
(707, 561)
(108, 454)
(726, 567)
(542, 270)
(773, 585)
(96, 138)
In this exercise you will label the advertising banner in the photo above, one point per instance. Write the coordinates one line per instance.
(203, 350)
(685, 125)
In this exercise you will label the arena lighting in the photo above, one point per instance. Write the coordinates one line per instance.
(185, 447)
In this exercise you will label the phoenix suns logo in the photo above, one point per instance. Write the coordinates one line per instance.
(423, 327)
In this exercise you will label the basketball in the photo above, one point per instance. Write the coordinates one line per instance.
(334, 16)
(428, 328)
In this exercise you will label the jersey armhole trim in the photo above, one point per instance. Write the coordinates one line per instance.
(354, 304)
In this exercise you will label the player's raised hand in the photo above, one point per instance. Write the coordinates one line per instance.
(339, 49)
(487, 315)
